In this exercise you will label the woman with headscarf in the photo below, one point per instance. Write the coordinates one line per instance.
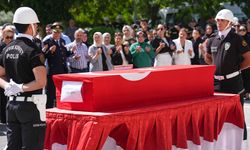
(127, 33)
(100, 59)
(107, 40)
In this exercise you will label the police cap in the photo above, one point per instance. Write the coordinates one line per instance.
(57, 27)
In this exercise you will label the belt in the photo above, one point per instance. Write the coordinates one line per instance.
(20, 99)
(77, 68)
(228, 76)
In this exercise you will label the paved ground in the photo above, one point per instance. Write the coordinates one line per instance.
(245, 147)
(247, 119)
(2, 136)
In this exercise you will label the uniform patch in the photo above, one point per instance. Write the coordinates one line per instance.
(42, 58)
(227, 45)
(244, 43)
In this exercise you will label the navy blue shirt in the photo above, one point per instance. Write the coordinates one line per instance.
(19, 58)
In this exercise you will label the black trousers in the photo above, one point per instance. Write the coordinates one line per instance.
(245, 127)
(25, 130)
(51, 92)
(246, 79)
(3, 102)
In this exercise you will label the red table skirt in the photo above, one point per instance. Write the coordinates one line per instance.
(155, 127)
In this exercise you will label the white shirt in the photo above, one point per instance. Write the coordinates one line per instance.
(25, 35)
(224, 32)
(183, 58)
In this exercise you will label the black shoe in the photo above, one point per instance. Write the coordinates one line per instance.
(245, 133)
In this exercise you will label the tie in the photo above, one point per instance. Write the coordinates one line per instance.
(222, 37)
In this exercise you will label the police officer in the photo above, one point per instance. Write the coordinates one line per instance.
(230, 54)
(22, 63)
(56, 54)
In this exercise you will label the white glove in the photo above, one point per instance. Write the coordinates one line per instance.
(7, 87)
(13, 89)
(8, 91)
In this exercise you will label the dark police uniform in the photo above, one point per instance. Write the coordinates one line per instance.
(57, 64)
(25, 128)
(246, 72)
(227, 56)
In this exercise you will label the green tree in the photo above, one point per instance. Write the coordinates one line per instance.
(48, 11)
(205, 9)
(91, 12)
(6, 17)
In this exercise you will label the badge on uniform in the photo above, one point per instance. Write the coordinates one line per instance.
(213, 49)
(227, 45)
(244, 43)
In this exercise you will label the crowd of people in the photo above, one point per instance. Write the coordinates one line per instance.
(69, 50)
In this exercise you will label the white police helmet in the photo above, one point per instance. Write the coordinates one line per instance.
(225, 14)
(25, 15)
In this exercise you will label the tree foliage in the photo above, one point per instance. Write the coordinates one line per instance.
(5, 17)
(93, 12)
(48, 11)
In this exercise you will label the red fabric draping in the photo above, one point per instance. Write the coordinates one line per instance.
(153, 127)
(108, 90)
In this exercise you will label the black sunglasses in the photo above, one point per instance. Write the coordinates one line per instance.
(9, 37)
(160, 29)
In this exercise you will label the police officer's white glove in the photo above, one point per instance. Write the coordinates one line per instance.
(7, 87)
(13, 89)
(8, 91)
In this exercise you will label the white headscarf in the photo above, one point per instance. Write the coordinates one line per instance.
(100, 35)
(130, 31)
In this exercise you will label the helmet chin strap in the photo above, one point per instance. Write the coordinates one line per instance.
(33, 30)
(228, 26)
